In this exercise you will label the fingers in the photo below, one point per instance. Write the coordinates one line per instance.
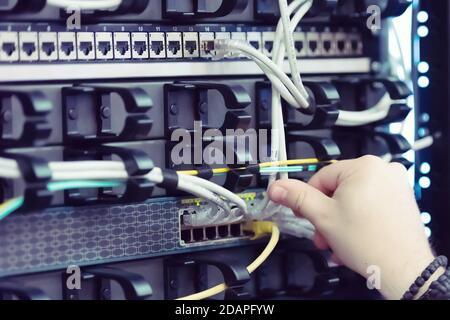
(327, 180)
(303, 199)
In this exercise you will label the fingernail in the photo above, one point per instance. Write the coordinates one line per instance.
(278, 194)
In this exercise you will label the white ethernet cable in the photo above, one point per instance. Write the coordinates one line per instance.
(423, 143)
(288, 30)
(360, 118)
(86, 4)
(266, 208)
(115, 170)
(289, 92)
(277, 76)
(419, 145)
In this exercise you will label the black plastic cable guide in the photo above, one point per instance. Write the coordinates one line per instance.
(325, 102)
(236, 181)
(35, 128)
(325, 282)
(403, 161)
(283, 261)
(137, 123)
(324, 148)
(198, 9)
(236, 99)
(35, 174)
(12, 290)
(24, 6)
(239, 181)
(134, 286)
(396, 143)
(137, 163)
(397, 90)
(235, 276)
(268, 286)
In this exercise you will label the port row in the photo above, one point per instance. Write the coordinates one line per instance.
(212, 233)
(69, 46)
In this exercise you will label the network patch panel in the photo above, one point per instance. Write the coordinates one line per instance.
(59, 46)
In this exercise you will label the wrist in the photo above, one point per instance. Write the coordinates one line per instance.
(398, 281)
(439, 272)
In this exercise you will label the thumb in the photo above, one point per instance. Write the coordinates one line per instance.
(303, 199)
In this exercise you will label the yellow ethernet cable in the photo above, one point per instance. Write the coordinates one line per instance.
(259, 228)
(262, 165)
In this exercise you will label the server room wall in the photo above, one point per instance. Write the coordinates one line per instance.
(126, 79)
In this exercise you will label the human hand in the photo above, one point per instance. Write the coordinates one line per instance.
(364, 210)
